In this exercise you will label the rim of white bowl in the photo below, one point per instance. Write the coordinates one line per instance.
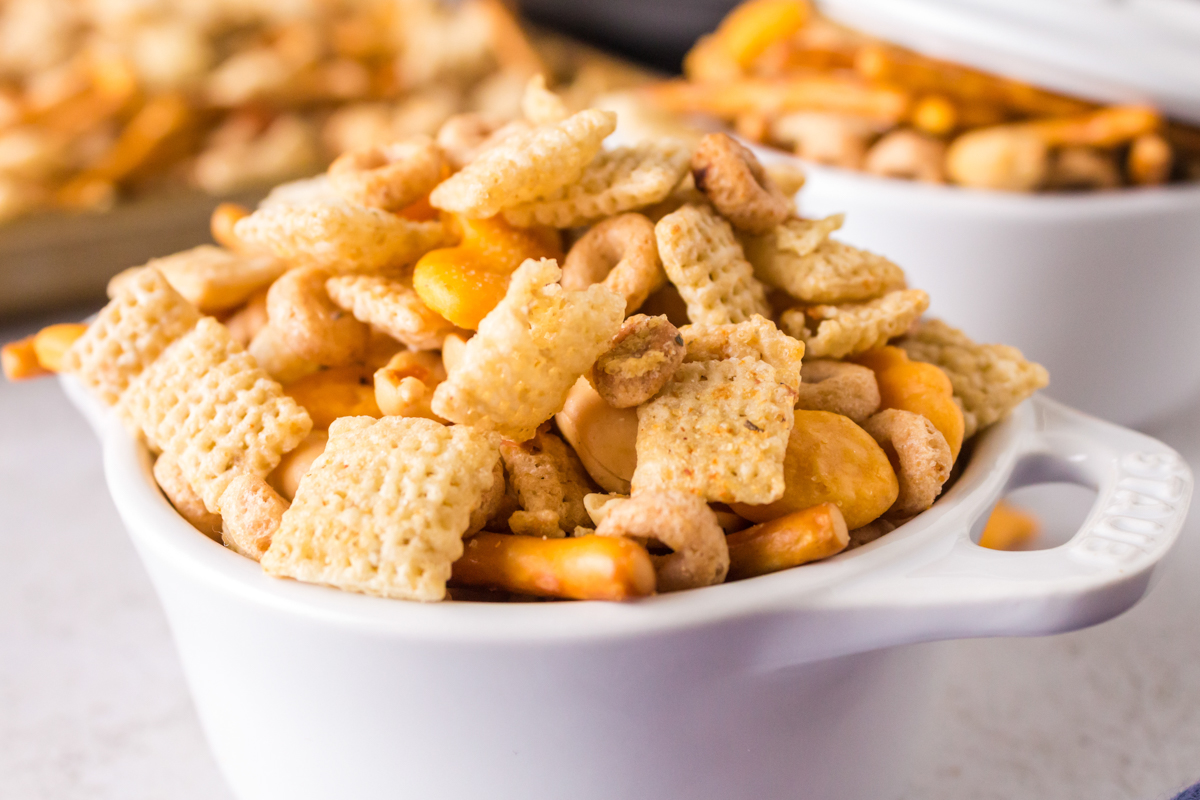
(154, 525)
(952, 199)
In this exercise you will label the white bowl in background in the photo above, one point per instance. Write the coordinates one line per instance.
(807, 683)
(1102, 288)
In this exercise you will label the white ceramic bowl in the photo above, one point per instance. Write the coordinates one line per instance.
(1103, 288)
(807, 683)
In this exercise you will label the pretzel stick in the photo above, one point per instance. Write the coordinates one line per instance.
(51, 342)
(142, 139)
(788, 541)
(1106, 127)
(771, 96)
(1016, 156)
(884, 64)
(580, 568)
(20, 362)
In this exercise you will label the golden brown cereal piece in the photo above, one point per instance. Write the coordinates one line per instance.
(799, 258)
(391, 305)
(919, 455)
(641, 359)
(540, 105)
(206, 403)
(291, 468)
(705, 262)
(391, 176)
(52, 342)
(830, 459)
(276, 357)
(314, 327)
(1008, 527)
(737, 185)
(245, 323)
(404, 387)
(839, 387)
(850, 328)
(578, 568)
(383, 510)
(530, 349)
(525, 166)
(336, 234)
(990, 379)
(181, 494)
(464, 136)
(907, 154)
(549, 483)
(681, 521)
(788, 541)
(757, 337)
(129, 334)
(622, 253)
(20, 361)
(718, 429)
(336, 392)
(215, 280)
(251, 512)
(615, 181)
(604, 438)
(918, 387)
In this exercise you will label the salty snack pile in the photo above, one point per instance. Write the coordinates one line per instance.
(385, 382)
(102, 100)
(784, 76)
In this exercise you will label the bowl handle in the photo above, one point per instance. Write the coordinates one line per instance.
(960, 590)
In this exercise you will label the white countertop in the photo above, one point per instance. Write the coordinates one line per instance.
(93, 703)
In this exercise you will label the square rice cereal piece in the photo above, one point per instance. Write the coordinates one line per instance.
(851, 328)
(617, 180)
(383, 510)
(206, 403)
(989, 379)
(718, 429)
(515, 373)
(392, 306)
(799, 258)
(144, 317)
(705, 262)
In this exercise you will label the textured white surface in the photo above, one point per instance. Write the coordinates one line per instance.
(93, 703)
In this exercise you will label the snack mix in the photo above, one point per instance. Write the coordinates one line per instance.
(383, 380)
(784, 76)
(102, 100)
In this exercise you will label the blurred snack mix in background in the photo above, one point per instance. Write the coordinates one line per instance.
(783, 75)
(104, 100)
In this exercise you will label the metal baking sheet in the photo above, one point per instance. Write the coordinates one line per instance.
(58, 259)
